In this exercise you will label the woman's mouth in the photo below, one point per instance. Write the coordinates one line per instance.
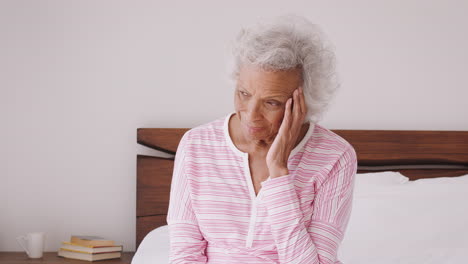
(254, 129)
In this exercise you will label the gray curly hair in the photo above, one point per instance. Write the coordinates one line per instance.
(287, 42)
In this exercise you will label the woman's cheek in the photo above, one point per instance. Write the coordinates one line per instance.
(275, 122)
(239, 106)
(237, 103)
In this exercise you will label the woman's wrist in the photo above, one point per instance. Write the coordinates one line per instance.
(277, 172)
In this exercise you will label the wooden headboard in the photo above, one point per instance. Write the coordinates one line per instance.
(414, 153)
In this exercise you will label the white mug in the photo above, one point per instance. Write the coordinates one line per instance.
(34, 245)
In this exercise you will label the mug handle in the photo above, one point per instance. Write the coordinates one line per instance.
(19, 239)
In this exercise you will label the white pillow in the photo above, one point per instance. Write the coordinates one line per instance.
(422, 221)
(154, 248)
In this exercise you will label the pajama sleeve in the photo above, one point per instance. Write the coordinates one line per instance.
(317, 242)
(187, 244)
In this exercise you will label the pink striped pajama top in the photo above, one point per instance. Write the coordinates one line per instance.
(214, 215)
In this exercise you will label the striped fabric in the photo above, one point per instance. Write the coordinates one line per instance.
(214, 215)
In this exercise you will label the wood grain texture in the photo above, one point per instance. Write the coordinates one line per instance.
(374, 148)
(153, 185)
(397, 147)
(162, 139)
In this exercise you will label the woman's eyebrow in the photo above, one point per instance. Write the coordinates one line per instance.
(277, 96)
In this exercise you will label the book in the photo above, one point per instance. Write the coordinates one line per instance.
(90, 249)
(91, 241)
(88, 256)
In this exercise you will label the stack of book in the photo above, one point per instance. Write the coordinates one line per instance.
(90, 248)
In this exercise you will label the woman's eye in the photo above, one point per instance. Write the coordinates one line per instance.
(244, 93)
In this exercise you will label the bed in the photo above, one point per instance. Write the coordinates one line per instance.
(410, 200)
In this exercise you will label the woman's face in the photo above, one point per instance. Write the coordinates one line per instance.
(260, 99)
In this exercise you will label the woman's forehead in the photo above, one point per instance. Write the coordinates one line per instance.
(277, 82)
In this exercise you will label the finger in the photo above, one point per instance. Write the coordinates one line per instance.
(297, 110)
(297, 101)
(289, 112)
(287, 117)
(302, 101)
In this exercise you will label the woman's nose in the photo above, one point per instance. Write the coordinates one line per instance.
(254, 111)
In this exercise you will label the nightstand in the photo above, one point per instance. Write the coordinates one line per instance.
(53, 258)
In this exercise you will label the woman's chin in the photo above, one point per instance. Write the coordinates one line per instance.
(255, 135)
(256, 131)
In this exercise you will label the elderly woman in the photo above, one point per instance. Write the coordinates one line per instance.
(266, 183)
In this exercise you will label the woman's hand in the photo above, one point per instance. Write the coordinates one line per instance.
(285, 141)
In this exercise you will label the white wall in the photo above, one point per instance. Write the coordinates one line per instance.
(77, 78)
